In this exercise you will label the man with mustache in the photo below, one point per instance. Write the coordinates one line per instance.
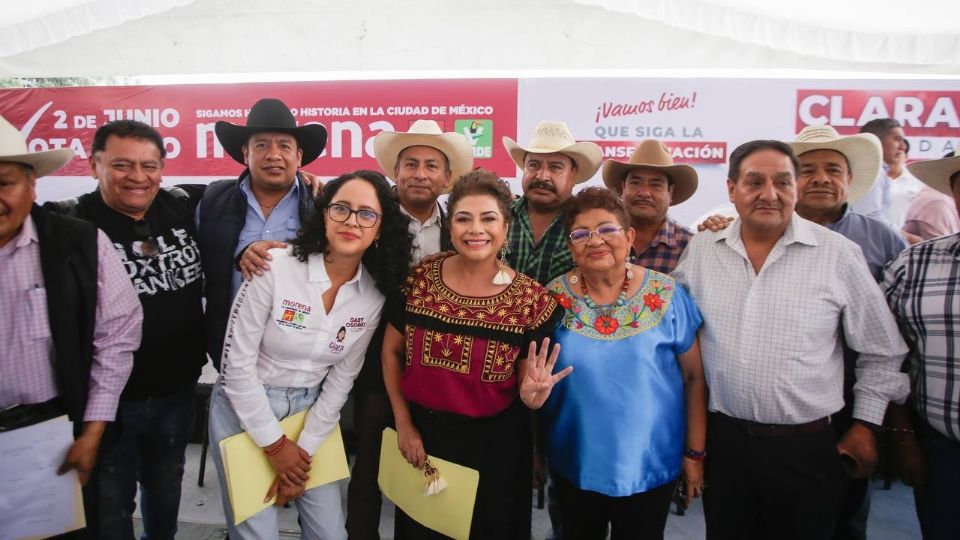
(780, 296)
(552, 164)
(650, 184)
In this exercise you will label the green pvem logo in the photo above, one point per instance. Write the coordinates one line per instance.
(480, 133)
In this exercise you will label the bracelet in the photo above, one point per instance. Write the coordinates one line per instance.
(283, 442)
(693, 454)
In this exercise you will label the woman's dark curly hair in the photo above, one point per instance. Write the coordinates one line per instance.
(387, 259)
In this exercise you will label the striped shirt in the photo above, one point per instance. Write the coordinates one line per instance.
(923, 290)
(26, 369)
(542, 261)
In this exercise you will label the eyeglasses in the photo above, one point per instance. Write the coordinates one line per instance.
(603, 232)
(341, 213)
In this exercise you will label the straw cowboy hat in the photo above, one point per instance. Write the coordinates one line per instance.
(863, 152)
(652, 154)
(14, 149)
(935, 173)
(387, 146)
(271, 115)
(555, 137)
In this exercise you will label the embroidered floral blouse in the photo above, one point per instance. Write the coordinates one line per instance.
(461, 352)
(617, 424)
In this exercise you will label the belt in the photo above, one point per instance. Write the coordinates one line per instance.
(758, 429)
(19, 416)
(447, 419)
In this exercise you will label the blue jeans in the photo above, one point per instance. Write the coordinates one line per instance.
(321, 513)
(937, 506)
(145, 445)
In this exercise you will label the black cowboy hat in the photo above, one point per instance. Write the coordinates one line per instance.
(271, 115)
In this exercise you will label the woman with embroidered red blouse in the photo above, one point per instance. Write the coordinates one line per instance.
(461, 359)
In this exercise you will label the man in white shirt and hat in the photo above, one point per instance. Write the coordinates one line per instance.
(424, 162)
(552, 163)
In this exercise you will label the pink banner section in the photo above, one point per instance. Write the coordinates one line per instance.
(352, 111)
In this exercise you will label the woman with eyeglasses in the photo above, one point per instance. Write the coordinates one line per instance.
(463, 352)
(632, 418)
(305, 322)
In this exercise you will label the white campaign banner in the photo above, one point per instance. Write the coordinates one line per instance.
(703, 120)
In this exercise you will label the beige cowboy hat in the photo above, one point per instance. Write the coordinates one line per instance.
(387, 146)
(555, 137)
(863, 152)
(14, 149)
(652, 154)
(936, 173)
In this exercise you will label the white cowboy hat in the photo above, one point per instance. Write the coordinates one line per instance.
(387, 146)
(863, 152)
(936, 173)
(14, 149)
(555, 137)
(652, 154)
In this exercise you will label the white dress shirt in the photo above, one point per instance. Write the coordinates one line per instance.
(903, 191)
(426, 234)
(280, 335)
(771, 340)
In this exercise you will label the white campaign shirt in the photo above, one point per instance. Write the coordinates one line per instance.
(771, 341)
(426, 235)
(280, 335)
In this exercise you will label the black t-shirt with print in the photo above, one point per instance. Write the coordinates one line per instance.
(162, 260)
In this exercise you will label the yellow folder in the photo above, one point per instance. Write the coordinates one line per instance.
(449, 512)
(249, 474)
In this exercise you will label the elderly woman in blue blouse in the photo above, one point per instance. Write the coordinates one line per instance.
(620, 430)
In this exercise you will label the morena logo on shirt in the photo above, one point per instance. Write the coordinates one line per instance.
(293, 314)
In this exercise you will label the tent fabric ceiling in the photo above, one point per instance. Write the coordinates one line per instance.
(884, 31)
(54, 38)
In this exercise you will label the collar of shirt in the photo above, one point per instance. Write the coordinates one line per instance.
(666, 235)
(847, 210)
(27, 234)
(434, 218)
(251, 198)
(317, 272)
(798, 231)
(522, 214)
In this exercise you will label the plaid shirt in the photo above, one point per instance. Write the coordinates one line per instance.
(923, 290)
(543, 261)
(665, 249)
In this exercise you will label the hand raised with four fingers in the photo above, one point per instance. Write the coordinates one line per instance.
(538, 376)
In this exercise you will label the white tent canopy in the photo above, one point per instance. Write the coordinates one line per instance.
(54, 38)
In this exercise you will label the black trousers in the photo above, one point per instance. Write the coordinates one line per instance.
(501, 449)
(586, 514)
(372, 413)
(759, 487)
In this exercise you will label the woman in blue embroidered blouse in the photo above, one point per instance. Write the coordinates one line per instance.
(620, 430)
